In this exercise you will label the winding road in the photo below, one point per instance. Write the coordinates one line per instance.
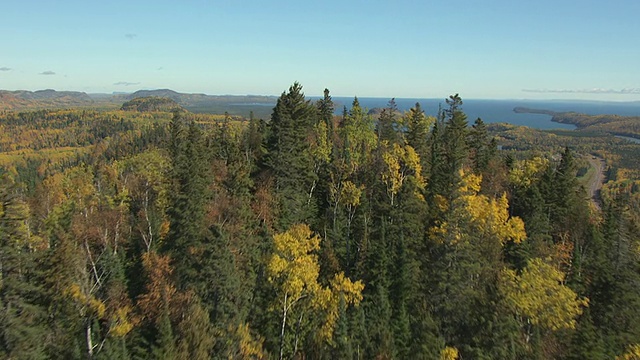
(596, 180)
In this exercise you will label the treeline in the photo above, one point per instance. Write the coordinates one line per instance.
(51, 129)
(612, 124)
(150, 103)
(319, 236)
(37, 144)
(524, 142)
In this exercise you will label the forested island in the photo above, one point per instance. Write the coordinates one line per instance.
(146, 231)
(526, 110)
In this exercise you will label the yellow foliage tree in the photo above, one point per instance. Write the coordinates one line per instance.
(538, 297)
(160, 291)
(401, 162)
(248, 346)
(144, 176)
(294, 269)
(479, 216)
(121, 321)
(525, 172)
(633, 353)
(449, 353)
(86, 302)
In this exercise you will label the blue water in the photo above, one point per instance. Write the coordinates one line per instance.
(492, 111)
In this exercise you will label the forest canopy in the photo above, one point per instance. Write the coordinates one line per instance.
(127, 234)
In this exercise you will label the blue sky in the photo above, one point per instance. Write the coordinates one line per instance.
(484, 49)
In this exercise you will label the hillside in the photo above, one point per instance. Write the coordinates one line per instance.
(213, 104)
(148, 232)
(150, 104)
(240, 105)
(606, 123)
(22, 99)
(613, 124)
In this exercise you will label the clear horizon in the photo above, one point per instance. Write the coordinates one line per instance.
(442, 98)
(547, 50)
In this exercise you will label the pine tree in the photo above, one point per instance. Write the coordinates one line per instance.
(61, 262)
(388, 127)
(22, 315)
(565, 185)
(455, 144)
(326, 109)
(292, 121)
(426, 342)
(342, 348)
(195, 336)
(164, 347)
(437, 167)
(418, 132)
(614, 266)
(480, 146)
(587, 342)
(189, 195)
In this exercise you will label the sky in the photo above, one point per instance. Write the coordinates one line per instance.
(481, 49)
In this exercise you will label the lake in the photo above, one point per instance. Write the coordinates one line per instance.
(491, 111)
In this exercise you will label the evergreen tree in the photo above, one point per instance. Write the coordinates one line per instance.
(438, 167)
(118, 328)
(252, 141)
(426, 342)
(292, 121)
(480, 146)
(418, 130)
(22, 315)
(615, 269)
(564, 186)
(164, 347)
(195, 253)
(325, 110)
(388, 127)
(587, 342)
(66, 326)
(342, 348)
(189, 194)
(195, 336)
(455, 144)
(378, 320)
(359, 331)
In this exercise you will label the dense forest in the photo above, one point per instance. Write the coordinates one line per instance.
(173, 235)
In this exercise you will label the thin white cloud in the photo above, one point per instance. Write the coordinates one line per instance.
(4, 68)
(633, 91)
(126, 83)
(48, 72)
(130, 36)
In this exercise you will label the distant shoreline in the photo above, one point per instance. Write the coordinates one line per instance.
(616, 125)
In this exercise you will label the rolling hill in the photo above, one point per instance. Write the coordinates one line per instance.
(240, 105)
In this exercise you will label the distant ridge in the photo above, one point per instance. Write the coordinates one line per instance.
(186, 99)
(163, 93)
(241, 105)
(213, 104)
(50, 94)
(23, 99)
